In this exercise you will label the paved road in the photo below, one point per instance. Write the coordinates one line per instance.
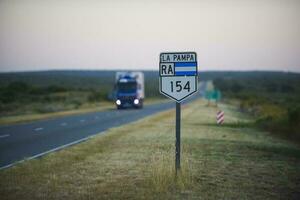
(35, 139)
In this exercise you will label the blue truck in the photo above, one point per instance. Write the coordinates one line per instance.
(129, 89)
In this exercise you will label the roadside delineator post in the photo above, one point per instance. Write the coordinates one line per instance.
(220, 117)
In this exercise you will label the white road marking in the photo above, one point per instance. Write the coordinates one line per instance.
(4, 136)
(63, 124)
(96, 117)
(82, 120)
(38, 129)
(50, 151)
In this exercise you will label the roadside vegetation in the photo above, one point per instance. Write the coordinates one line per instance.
(272, 98)
(27, 96)
(136, 161)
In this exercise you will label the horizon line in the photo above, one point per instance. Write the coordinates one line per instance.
(199, 71)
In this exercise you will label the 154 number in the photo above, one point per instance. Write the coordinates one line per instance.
(179, 86)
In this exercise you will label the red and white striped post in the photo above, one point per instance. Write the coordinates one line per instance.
(220, 117)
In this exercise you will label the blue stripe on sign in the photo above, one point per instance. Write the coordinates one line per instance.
(187, 73)
(185, 64)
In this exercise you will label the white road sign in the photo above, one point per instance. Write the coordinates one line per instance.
(178, 75)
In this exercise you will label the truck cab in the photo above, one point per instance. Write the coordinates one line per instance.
(129, 90)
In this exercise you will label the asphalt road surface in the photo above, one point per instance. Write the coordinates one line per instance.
(35, 139)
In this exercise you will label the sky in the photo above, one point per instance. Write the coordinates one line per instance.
(130, 34)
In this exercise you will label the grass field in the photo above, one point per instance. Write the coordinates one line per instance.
(136, 161)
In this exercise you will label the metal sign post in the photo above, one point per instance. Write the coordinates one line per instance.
(177, 143)
(178, 80)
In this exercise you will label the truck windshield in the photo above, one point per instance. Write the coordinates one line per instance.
(127, 87)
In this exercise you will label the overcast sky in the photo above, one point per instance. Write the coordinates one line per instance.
(130, 34)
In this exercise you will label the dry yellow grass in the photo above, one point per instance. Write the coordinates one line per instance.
(136, 161)
(7, 120)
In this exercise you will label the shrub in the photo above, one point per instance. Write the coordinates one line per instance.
(294, 116)
(55, 88)
(96, 96)
(18, 87)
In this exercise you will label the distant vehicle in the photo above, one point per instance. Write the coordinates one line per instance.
(130, 90)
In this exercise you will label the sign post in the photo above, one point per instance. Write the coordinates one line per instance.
(177, 142)
(178, 80)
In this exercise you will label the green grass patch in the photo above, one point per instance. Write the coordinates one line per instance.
(232, 125)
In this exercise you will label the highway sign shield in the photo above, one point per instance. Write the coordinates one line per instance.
(178, 75)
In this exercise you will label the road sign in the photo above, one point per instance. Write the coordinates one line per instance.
(178, 80)
(178, 75)
(220, 117)
(213, 94)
